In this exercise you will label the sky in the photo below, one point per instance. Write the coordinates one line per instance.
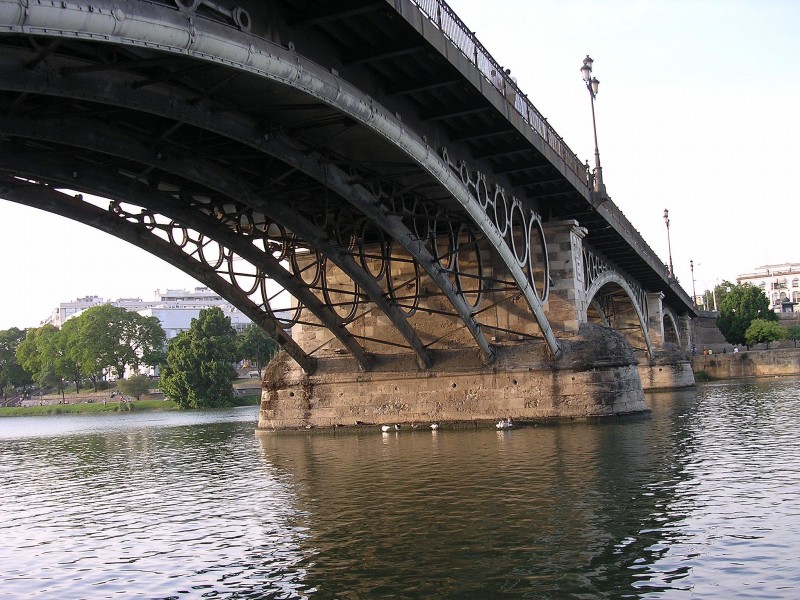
(696, 113)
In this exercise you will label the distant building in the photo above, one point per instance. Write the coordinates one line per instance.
(178, 316)
(175, 309)
(780, 283)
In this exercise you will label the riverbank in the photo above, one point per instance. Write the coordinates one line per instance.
(747, 363)
(109, 407)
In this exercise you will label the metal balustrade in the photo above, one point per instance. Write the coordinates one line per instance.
(442, 17)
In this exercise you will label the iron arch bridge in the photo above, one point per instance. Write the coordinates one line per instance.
(282, 153)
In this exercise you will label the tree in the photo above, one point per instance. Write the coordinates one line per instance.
(199, 369)
(107, 339)
(741, 306)
(761, 331)
(135, 385)
(43, 353)
(793, 333)
(713, 298)
(256, 345)
(12, 374)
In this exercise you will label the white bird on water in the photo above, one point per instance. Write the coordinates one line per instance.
(434, 426)
(505, 423)
(386, 428)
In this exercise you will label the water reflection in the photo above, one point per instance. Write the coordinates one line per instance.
(699, 499)
(546, 510)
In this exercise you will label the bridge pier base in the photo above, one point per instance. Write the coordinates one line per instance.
(525, 384)
(667, 369)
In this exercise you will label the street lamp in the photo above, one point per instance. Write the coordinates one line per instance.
(669, 245)
(592, 84)
(694, 293)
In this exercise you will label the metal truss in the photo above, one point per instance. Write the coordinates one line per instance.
(228, 229)
(176, 245)
(103, 139)
(366, 228)
(519, 227)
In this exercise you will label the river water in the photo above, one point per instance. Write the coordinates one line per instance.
(699, 499)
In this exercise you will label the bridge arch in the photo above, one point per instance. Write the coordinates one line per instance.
(670, 327)
(219, 46)
(611, 301)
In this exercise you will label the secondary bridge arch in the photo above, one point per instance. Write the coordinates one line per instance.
(601, 291)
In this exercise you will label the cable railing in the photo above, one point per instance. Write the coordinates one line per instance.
(454, 29)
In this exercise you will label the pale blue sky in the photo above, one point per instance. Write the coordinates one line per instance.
(695, 113)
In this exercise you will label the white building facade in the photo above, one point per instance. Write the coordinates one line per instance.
(780, 283)
(175, 309)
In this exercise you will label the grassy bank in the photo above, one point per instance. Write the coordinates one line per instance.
(110, 407)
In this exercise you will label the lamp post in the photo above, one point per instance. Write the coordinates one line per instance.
(694, 293)
(669, 245)
(592, 84)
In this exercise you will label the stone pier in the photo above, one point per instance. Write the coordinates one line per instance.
(597, 376)
(601, 371)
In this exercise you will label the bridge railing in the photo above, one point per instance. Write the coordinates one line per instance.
(454, 29)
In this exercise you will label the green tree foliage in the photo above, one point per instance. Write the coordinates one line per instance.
(12, 374)
(719, 292)
(763, 331)
(43, 352)
(256, 345)
(135, 385)
(199, 369)
(107, 339)
(740, 307)
(792, 333)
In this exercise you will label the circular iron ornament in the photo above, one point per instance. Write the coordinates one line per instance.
(409, 290)
(538, 261)
(482, 192)
(463, 171)
(293, 311)
(468, 254)
(148, 219)
(188, 5)
(245, 225)
(310, 273)
(443, 244)
(237, 278)
(344, 230)
(343, 303)
(275, 241)
(372, 250)
(211, 252)
(500, 211)
(421, 221)
(173, 239)
(518, 232)
(241, 18)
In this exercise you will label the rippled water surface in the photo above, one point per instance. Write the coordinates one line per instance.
(700, 499)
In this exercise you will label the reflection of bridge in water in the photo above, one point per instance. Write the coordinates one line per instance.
(442, 253)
